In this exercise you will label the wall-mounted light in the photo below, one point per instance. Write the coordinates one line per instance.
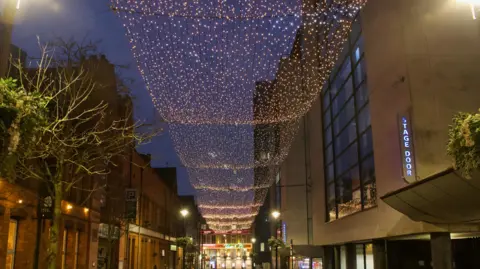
(20, 201)
(86, 210)
(69, 206)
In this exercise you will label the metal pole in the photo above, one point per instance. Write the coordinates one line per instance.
(6, 29)
(185, 246)
(276, 248)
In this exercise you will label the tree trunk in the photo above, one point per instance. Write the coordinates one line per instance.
(55, 228)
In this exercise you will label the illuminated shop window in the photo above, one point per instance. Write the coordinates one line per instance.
(12, 243)
(348, 148)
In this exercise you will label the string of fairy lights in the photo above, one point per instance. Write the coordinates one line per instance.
(232, 79)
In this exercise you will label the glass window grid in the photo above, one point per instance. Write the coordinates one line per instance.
(327, 104)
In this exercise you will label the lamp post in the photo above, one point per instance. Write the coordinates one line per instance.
(253, 251)
(184, 212)
(276, 215)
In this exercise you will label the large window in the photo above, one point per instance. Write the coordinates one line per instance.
(348, 147)
(11, 243)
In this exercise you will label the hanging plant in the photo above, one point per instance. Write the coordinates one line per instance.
(464, 142)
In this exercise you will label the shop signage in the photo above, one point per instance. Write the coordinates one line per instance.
(245, 231)
(406, 145)
(173, 247)
(228, 246)
(131, 204)
(239, 245)
(46, 207)
(284, 232)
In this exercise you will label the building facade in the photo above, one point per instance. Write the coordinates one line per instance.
(231, 250)
(383, 191)
(148, 241)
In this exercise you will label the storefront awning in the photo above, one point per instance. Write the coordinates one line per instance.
(443, 198)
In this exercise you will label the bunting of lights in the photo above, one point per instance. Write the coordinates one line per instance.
(219, 74)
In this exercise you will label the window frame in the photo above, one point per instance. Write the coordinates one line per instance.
(327, 103)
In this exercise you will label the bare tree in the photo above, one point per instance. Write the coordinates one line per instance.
(81, 136)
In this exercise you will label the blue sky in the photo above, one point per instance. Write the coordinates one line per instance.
(93, 19)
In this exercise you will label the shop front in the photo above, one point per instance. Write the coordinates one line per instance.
(228, 256)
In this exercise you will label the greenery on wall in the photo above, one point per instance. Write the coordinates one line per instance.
(23, 116)
(464, 142)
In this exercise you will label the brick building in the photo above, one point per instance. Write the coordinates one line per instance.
(24, 234)
(151, 236)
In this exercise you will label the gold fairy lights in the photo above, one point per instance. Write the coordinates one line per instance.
(193, 62)
(233, 146)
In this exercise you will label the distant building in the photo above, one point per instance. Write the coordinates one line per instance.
(152, 234)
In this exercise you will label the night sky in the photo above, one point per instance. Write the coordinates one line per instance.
(92, 19)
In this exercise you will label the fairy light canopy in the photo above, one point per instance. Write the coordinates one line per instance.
(219, 74)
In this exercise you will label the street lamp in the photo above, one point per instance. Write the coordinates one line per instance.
(253, 251)
(276, 215)
(473, 4)
(184, 212)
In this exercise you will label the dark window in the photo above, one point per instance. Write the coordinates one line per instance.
(348, 145)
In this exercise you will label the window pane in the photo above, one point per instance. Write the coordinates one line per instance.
(326, 98)
(329, 154)
(369, 194)
(347, 113)
(360, 256)
(356, 30)
(366, 143)
(328, 135)
(357, 52)
(369, 256)
(330, 174)
(360, 72)
(12, 235)
(361, 95)
(11, 244)
(331, 202)
(348, 201)
(346, 137)
(363, 119)
(347, 159)
(343, 257)
(354, 176)
(327, 118)
(368, 169)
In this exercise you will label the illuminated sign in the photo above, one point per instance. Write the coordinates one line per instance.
(284, 232)
(227, 246)
(406, 146)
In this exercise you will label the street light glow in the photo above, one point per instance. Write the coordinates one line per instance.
(473, 4)
(254, 240)
(275, 214)
(184, 212)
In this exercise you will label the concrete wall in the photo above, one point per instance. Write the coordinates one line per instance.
(293, 177)
(423, 57)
